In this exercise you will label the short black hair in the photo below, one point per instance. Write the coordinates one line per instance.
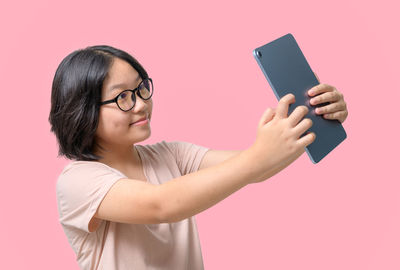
(75, 98)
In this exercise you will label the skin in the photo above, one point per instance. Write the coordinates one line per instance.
(321, 93)
(221, 173)
(116, 135)
(337, 109)
(115, 132)
(278, 144)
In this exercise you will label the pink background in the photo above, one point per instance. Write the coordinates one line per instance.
(343, 213)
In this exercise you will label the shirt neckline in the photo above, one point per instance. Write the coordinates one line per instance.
(141, 156)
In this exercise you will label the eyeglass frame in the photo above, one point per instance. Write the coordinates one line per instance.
(114, 100)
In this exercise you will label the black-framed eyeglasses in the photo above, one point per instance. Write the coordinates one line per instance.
(127, 98)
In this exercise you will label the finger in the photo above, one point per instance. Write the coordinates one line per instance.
(325, 97)
(298, 113)
(320, 88)
(306, 139)
(303, 126)
(283, 105)
(267, 116)
(341, 116)
(331, 108)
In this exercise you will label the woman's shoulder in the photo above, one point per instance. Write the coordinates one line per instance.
(89, 171)
(82, 167)
(82, 164)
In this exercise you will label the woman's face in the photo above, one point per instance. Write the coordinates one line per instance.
(115, 127)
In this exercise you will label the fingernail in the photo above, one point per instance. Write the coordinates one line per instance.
(310, 92)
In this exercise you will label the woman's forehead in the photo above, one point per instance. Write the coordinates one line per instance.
(120, 75)
(120, 69)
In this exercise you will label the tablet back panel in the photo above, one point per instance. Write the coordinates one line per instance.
(287, 71)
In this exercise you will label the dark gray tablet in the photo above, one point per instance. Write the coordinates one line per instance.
(287, 71)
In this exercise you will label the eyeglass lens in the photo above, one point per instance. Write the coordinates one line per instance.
(126, 99)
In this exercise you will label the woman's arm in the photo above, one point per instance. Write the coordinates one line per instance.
(214, 157)
(277, 145)
(136, 201)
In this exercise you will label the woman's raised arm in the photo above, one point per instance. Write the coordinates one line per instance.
(278, 144)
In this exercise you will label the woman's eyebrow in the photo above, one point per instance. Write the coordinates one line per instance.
(120, 85)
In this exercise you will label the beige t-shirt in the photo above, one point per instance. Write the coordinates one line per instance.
(83, 184)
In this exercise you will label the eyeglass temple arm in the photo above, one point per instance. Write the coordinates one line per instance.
(107, 101)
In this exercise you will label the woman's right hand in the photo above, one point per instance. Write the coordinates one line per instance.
(278, 141)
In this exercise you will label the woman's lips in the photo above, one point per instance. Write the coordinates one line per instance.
(142, 122)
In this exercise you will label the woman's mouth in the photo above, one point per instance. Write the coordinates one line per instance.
(143, 122)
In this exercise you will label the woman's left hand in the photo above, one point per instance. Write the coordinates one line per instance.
(337, 109)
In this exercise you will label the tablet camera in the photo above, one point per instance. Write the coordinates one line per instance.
(259, 54)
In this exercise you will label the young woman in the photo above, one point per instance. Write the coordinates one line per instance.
(129, 206)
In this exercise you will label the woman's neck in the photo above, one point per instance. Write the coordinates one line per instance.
(122, 158)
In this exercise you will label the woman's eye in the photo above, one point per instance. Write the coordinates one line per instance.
(122, 96)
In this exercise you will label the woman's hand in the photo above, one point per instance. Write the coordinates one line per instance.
(279, 142)
(337, 109)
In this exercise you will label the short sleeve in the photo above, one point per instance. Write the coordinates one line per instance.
(188, 156)
(80, 189)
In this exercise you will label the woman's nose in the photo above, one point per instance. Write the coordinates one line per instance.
(140, 104)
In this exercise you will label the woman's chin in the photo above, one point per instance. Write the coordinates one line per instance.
(142, 135)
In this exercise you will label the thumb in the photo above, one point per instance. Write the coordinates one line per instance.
(267, 116)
